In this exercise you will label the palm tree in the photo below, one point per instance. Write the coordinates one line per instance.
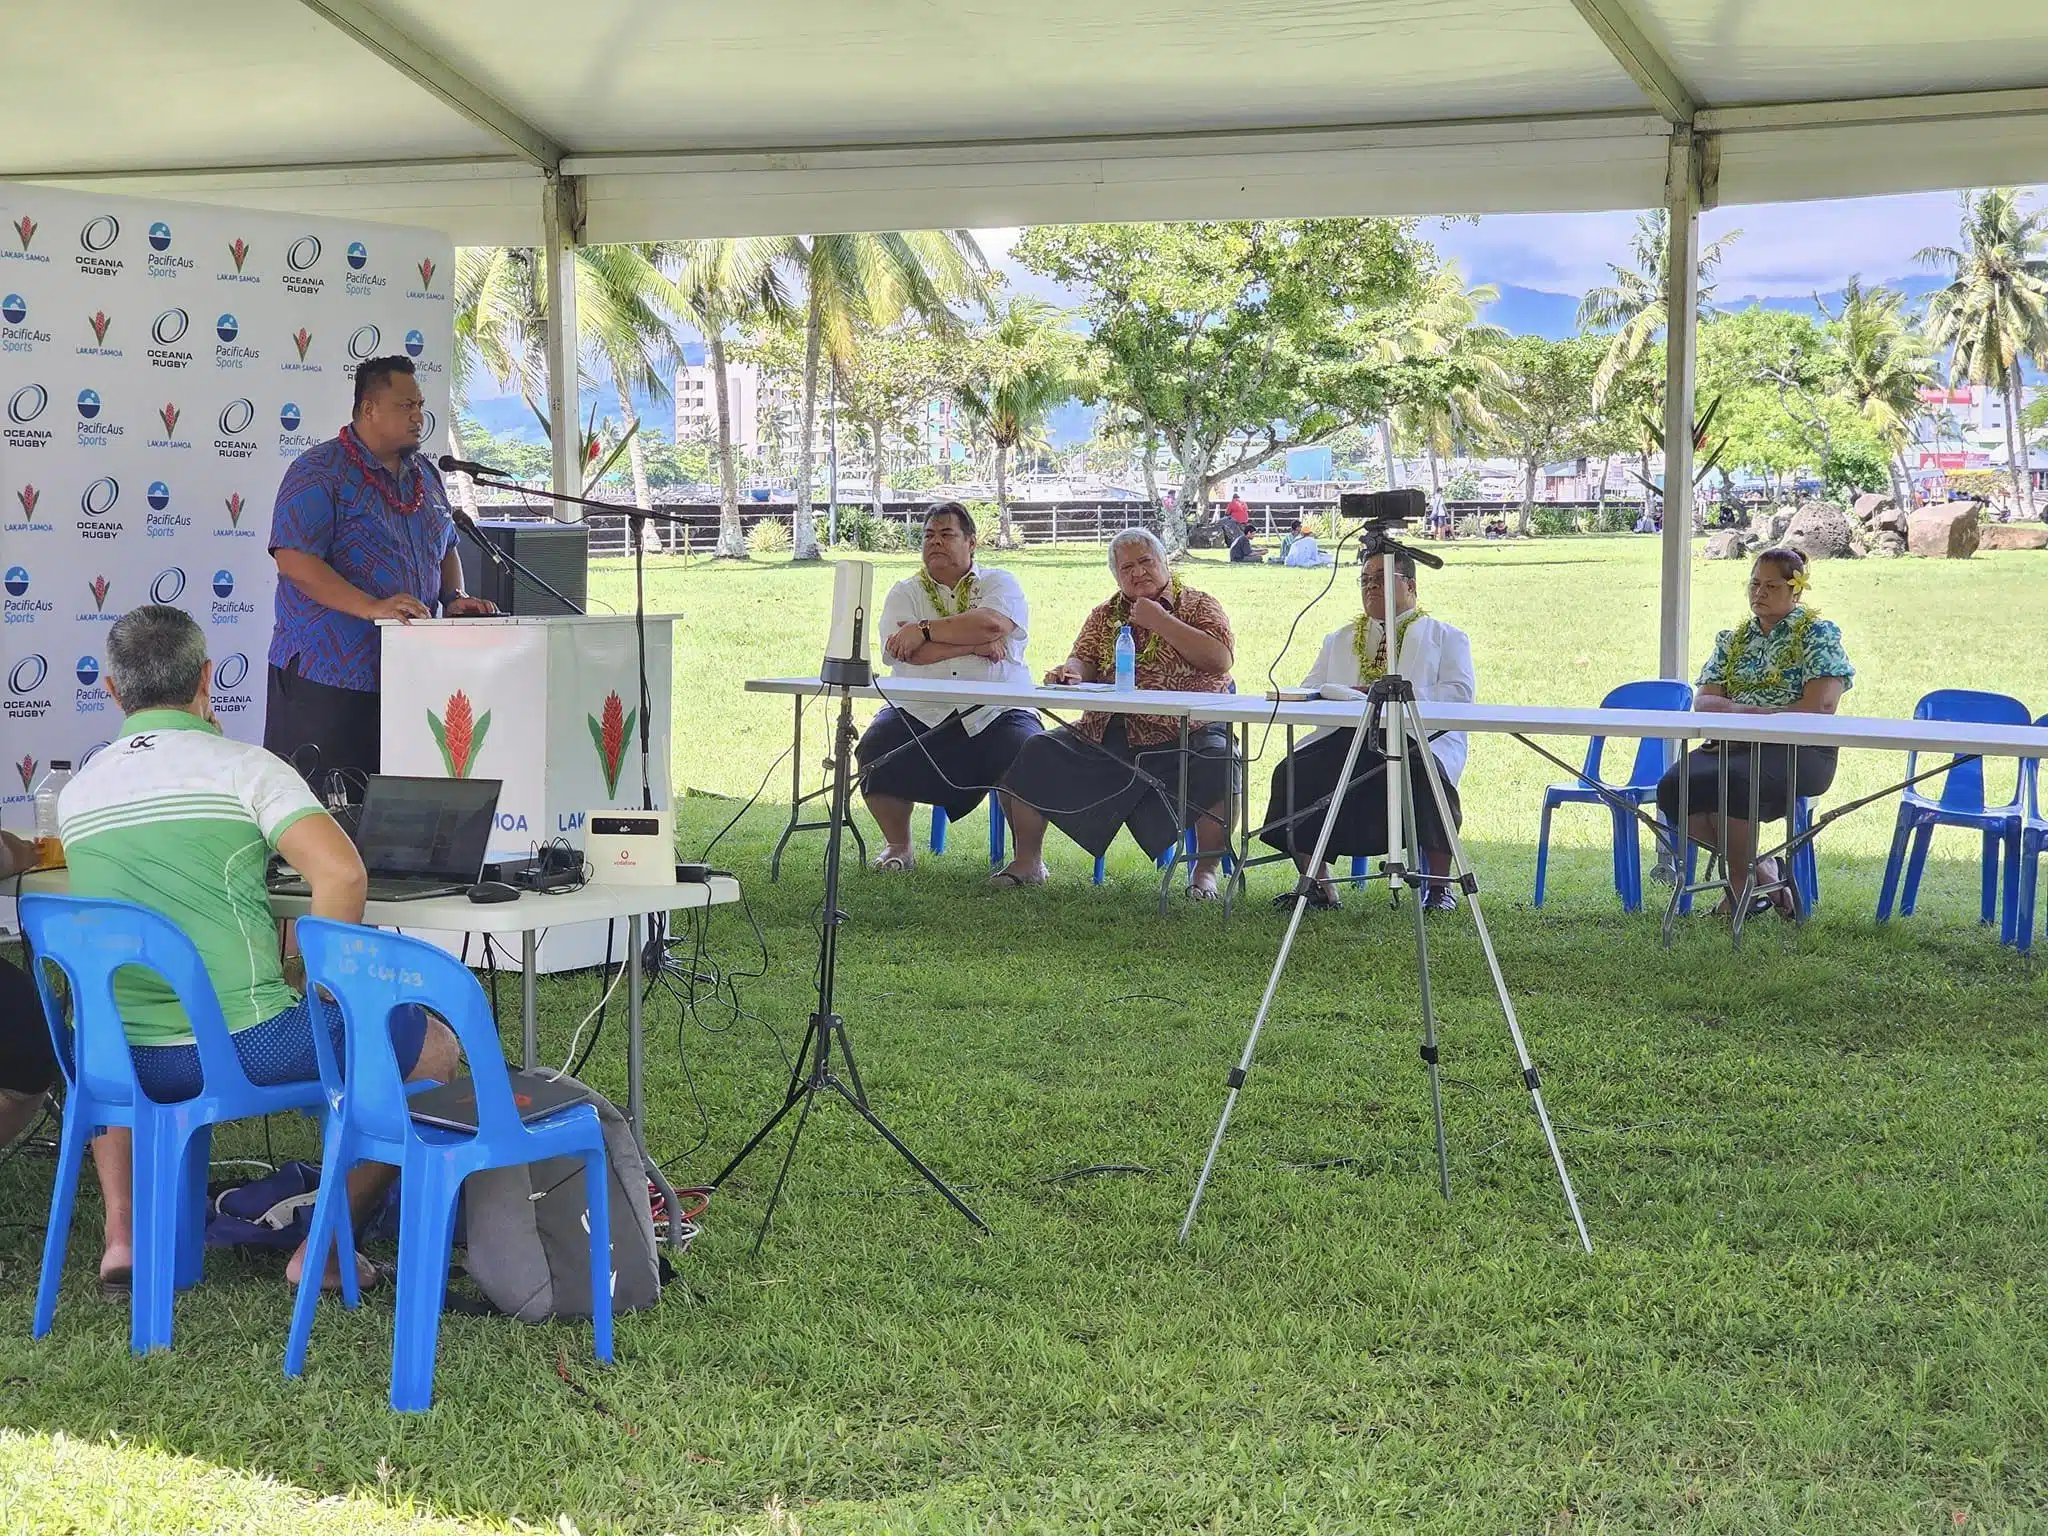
(1994, 311)
(1883, 369)
(1445, 324)
(876, 279)
(1633, 306)
(729, 282)
(1029, 364)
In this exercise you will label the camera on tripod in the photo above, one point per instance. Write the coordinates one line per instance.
(1386, 515)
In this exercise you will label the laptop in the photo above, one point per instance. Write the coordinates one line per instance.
(536, 1095)
(419, 837)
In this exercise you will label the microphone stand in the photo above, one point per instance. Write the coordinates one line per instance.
(637, 519)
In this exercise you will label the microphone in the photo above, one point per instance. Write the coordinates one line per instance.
(449, 464)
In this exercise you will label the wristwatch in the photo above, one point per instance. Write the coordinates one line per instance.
(925, 625)
(448, 597)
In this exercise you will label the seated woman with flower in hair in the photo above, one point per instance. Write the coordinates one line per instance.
(1784, 658)
(1121, 770)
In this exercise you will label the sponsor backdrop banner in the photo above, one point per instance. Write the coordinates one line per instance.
(160, 365)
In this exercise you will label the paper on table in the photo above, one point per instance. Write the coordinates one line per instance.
(1086, 687)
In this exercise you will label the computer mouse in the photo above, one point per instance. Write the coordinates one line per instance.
(485, 891)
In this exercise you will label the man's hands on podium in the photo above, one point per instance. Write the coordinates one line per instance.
(468, 608)
(404, 607)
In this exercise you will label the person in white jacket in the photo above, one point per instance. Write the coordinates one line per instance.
(1437, 658)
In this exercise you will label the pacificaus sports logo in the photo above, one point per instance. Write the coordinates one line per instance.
(96, 425)
(90, 698)
(16, 334)
(232, 692)
(291, 442)
(229, 352)
(227, 608)
(100, 521)
(28, 692)
(25, 408)
(233, 429)
(166, 331)
(20, 510)
(163, 261)
(415, 345)
(95, 241)
(21, 605)
(163, 520)
(358, 280)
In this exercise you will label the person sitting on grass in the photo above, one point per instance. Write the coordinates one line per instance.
(954, 619)
(28, 1068)
(1117, 770)
(1437, 658)
(176, 817)
(1784, 658)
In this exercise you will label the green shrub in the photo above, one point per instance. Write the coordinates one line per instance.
(1615, 517)
(768, 537)
(1550, 521)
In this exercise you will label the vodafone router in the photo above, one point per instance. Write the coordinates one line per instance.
(630, 847)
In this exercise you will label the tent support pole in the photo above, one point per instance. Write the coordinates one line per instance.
(562, 231)
(1682, 198)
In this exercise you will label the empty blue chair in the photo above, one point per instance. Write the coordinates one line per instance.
(88, 941)
(2033, 843)
(1960, 804)
(370, 973)
(995, 831)
(1653, 758)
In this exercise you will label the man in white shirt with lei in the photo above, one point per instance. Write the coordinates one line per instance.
(1437, 659)
(953, 619)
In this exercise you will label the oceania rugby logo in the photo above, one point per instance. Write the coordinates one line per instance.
(364, 343)
(358, 254)
(27, 403)
(303, 253)
(230, 672)
(27, 676)
(159, 236)
(168, 329)
(13, 309)
(227, 327)
(159, 495)
(236, 416)
(99, 497)
(415, 343)
(88, 671)
(17, 580)
(288, 416)
(88, 403)
(100, 233)
(223, 583)
(168, 587)
(427, 424)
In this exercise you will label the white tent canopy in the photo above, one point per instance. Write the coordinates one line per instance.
(534, 121)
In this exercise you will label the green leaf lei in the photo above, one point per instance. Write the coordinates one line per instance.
(1747, 631)
(1374, 667)
(965, 593)
(1119, 616)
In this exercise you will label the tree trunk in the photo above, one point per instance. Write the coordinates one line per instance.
(636, 456)
(1600, 493)
(732, 537)
(1651, 500)
(1194, 502)
(1436, 489)
(2023, 477)
(1387, 450)
(1152, 467)
(804, 532)
(1004, 536)
(1528, 497)
(465, 489)
(875, 477)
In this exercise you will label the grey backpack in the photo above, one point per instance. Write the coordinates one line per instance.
(527, 1231)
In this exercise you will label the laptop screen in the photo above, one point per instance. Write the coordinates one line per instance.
(437, 829)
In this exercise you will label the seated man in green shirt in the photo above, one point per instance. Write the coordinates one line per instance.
(176, 817)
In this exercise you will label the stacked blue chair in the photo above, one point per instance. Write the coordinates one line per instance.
(1653, 758)
(370, 973)
(88, 941)
(2033, 843)
(995, 831)
(1960, 804)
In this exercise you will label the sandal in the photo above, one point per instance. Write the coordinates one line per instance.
(894, 864)
(1004, 880)
(1204, 892)
(1321, 898)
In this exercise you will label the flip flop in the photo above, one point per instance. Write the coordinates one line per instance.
(118, 1283)
(894, 864)
(1317, 901)
(1204, 893)
(1003, 880)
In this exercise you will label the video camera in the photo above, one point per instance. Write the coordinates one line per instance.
(1385, 515)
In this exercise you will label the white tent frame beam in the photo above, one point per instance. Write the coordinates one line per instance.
(434, 74)
(1623, 37)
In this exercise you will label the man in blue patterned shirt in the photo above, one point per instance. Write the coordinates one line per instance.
(361, 532)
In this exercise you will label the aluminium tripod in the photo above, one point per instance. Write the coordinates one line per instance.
(1390, 717)
(816, 1070)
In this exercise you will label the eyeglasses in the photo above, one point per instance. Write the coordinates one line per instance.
(1770, 586)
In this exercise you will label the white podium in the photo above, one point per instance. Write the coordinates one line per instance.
(549, 706)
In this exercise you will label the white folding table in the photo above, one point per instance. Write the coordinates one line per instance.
(528, 916)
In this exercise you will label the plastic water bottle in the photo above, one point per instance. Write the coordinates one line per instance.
(48, 789)
(1126, 661)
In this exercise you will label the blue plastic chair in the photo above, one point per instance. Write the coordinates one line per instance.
(88, 941)
(370, 973)
(1961, 804)
(1653, 758)
(2033, 843)
(996, 830)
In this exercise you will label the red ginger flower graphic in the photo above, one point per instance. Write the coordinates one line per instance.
(459, 734)
(239, 249)
(169, 416)
(27, 769)
(25, 227)
(609, 737)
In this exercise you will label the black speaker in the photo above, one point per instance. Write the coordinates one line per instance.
(558, 553)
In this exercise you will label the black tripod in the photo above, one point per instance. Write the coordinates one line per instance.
(815, 1071)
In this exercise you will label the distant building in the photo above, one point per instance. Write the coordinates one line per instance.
(696, 394)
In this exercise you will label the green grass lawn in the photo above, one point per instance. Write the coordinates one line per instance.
(1812, 1173)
